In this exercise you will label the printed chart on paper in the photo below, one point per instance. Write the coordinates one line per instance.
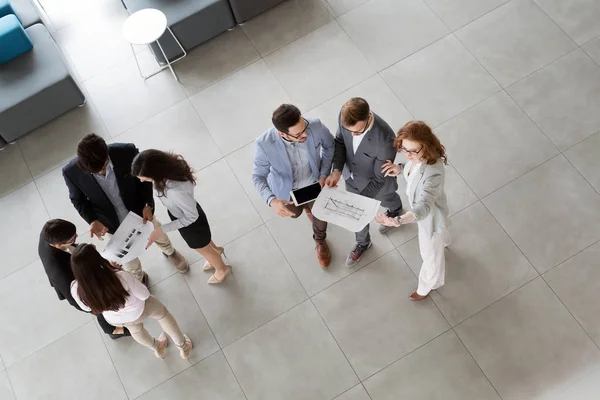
(348, 210)
(129, 241)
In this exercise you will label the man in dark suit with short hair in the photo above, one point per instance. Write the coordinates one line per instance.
(103, 191)
(363, 143)
(57, 240)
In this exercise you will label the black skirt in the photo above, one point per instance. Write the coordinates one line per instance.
(197, 234)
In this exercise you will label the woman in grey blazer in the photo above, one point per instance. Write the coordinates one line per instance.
(424, 174)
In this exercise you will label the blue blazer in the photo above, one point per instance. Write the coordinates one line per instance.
(272, 175)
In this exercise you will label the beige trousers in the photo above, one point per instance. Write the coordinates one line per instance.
(156, 310)
(134, 267)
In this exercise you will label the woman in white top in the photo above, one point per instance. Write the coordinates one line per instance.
(102, 287)
(424, 174)
(174, 185)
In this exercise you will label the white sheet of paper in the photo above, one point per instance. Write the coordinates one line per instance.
(129, 241)
(348, 210)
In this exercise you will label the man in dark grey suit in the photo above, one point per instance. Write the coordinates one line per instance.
(363, 143)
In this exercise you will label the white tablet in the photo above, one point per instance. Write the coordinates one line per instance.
(306, 194)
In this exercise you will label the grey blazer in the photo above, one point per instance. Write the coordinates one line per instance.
(375, 149)
(429, 199)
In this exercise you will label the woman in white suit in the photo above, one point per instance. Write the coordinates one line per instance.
(424, 174)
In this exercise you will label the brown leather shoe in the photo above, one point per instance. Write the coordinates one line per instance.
(414, 296)
(323, 254)
(179, 262)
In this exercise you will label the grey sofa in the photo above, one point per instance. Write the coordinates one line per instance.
(192, 21)
(243, 10)
(27, 12)
(36, 87)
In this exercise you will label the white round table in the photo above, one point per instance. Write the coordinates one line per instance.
(145, 27)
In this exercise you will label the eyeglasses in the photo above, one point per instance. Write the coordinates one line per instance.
(364, 129)
(301, 133)
(413, 152)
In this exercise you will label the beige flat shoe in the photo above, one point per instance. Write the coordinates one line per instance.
(162, 346)
(213, 279)
(185, 348)
(208, 266)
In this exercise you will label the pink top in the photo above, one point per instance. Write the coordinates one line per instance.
(134, 304)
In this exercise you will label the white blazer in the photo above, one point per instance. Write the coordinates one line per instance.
(429, 199)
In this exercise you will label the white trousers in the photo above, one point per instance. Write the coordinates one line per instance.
(433, 269)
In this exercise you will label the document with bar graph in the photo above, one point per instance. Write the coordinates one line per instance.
(348, 210)
(129, 241)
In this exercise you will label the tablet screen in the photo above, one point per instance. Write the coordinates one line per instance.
(306, 194)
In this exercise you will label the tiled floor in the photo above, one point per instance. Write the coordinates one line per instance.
(513, 90)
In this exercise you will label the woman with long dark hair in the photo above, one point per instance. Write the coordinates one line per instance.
(174, 185)
(424, 174)
(101, 287)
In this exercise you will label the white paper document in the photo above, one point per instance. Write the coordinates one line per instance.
(129, 241)
(348, 210)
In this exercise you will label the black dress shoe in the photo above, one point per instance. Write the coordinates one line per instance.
(124, 334)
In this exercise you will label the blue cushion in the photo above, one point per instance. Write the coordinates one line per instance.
(6, 8)
(14, 41)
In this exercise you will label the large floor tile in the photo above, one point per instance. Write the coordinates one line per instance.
(11, 159)
(55, 195)
(238, 109)
(381, 100)
(94, 45)
(319, 66)
(285, 23)
(377, 26)
(584, 156)
(593, 49)
(75, 367)
(563, 98)
(587, 388)
(440, 81)
(294, 237)
(61, 137)
(6, 392)
(124, 98)
(23, 214)
(225, 203)
(457, 13)
(340, 7)
(367, 314)
(537, 211)
(242, 164)
(263, 287)
(514, 40)
(292, 357)
(498, 138)
(209, 379)
(575, 282)
(442, 369)
(138, 369)
(579, 18)
(37, 317)
(482, 265)
(356, 393)
(62, 13)
(515, 339)
(214, 60)
(178, 129)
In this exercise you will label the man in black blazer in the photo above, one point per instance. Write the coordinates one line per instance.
(103, 191)
(363, 143)
(57, 239)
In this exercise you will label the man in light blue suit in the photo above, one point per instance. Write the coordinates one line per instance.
(294, 153)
